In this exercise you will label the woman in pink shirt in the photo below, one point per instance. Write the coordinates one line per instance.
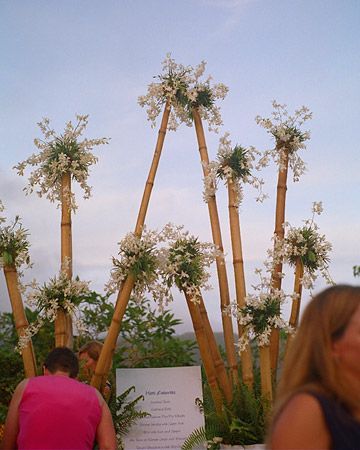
(55, 411)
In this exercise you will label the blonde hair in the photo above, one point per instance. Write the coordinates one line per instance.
(310, 363)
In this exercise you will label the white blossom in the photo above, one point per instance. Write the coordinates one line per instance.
(289, 138)
(182, 88)
(60, 154)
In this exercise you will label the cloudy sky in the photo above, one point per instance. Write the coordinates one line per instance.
(64, 58)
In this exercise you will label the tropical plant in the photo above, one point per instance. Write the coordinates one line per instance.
(125, 414)
(242, 422)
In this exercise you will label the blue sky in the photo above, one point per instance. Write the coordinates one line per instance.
(96, 58)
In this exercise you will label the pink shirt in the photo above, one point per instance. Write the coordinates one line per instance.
(58, 412)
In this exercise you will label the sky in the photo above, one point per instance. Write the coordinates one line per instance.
(59, 59)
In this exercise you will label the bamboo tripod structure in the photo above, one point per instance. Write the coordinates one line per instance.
(220, 263)
(63, 321)
(240, 287)
(279, 232)
(104, 362)
(21, 322)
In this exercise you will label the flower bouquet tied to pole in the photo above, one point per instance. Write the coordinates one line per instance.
(58, 155)
(289, 138)
(61, 159)
(183, 88)
(14, 252)
(52, 300)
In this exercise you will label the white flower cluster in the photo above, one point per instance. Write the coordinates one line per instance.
(157, 260)
(181, 88)
(214, 443)
(227, 156)
(59, 155)
(187, 262)
(311, 247)
(288, 136)
(14, 245)
(261, 313)
(306, 243)
(60, 292)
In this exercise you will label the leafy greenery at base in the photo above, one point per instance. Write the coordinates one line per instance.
(243, 422)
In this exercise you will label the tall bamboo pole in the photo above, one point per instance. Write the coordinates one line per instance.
(220, 370)
(63, 321)
(296, 301)
(265, 372)
(104, 362)
(20, 319)
(239, 274)
(220, 261)
(279, 232)
(205, 352)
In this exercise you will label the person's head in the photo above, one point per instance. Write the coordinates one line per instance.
(319, 346)
(63, 360)
(89, 355)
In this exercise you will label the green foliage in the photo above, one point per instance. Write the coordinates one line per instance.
(260, 315)
(238, 161)
(356, 271)
(242, 422)
(149, 339)
(125, 413)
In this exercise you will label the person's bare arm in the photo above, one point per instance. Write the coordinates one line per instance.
(301, 425)
(12, 420)
(105, 432)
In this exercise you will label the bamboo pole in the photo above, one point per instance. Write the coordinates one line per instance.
(104, 362)
(220, 261)
(295, 306)
(63, 321)
(239, 274)
(20, 319)
(205, 352)
(220, 370)
(279, 232)
(265, 372)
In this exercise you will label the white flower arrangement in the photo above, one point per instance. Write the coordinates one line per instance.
(182, 88)
(235, 166)
(60, 154)
(14, 245)
(311, 247)
(158, 260)
(261, 313)
(289, 137)
(59, 292)
(187, 262)
(142, 258)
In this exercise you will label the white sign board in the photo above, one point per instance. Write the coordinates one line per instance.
(169, 396)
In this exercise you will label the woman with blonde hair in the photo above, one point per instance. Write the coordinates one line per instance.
(318, 400)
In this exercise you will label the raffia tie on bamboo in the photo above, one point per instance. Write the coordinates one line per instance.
(104, 363)
(220, 262)
(239, 275)
(21, 322)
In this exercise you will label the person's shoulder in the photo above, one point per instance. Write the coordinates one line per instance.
(301, 424)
